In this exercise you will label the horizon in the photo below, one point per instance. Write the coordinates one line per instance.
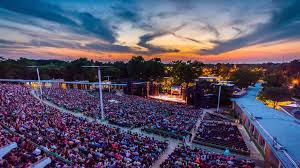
(225, 32)
(164, 62)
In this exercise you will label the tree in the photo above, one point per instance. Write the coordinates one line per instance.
(275, 94)
(243, 78)
(296, 91)
(136, 67)
(275, 80)
(294, 68)
(222, 70)
(75, 71)
(154, 69)
(122, 67)
(185, 72)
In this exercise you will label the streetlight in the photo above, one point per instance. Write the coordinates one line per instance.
(222, 83)
(39, 79)
(219, 96)
(295, 81)
(100, 87)
(109, 84)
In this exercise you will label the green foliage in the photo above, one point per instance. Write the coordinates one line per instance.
(294, 68)
(139, 69)
(296, 91)
(185, 72)
(135, 67)
(222, 70)
(75, 71)
(275, 80)
(243, 78)
(154, 69)
(275, 94)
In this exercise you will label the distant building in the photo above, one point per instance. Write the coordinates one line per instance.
(212, 79)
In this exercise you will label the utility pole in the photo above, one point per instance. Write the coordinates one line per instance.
(109, 84)
(39, 79)
(219, 97)
(100, 88)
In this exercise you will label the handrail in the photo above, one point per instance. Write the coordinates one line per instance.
(41, 163)
(7, 148)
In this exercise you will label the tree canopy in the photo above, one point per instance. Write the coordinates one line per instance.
(275, 94)
(138, 68)
(185, 72)
(275, 80)
(181, 72)
(243, 78)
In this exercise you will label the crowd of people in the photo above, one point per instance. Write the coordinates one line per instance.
(22, 156)
(226, 135)
(214, 117)
(84, 143)
(129, 111)
(78, 142)
(187, 157)
(73, 99)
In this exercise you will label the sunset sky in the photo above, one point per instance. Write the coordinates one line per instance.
(236, 31)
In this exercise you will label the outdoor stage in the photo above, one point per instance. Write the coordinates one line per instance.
(171, 98)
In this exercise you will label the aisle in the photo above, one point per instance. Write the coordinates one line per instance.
(171, 147)
(254, 153)
(194, 131)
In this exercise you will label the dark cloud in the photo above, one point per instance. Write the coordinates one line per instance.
(97, 26)
(156, 49)
(44, 43)
(41, 43)
(11, 44)
(126, 14)
(165, 14)
(131, 13)
(54, 43)
(183, 4)
(284, 25)
(152, 49)
(6, 42)
(40, 9)
(239, 31)
(212, 29)
(108, 47)
(187, 38)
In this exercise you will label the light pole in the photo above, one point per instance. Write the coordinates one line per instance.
(219, 97)
(100, 88)
(39, 79)
(108, 83)
(220, 84)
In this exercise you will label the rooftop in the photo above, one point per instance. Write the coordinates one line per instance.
(273, 123)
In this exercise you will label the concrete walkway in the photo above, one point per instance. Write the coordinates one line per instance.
(254, 153)
(194, 131)
(171, 147)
